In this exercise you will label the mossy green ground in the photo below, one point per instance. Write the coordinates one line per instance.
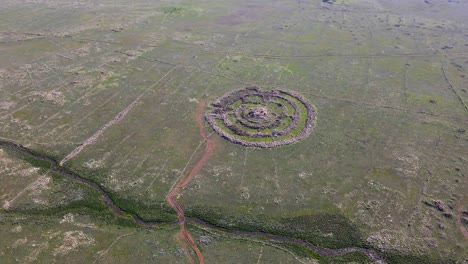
(388, 81)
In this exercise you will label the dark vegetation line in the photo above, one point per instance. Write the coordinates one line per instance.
(54, 166)
(326, 252)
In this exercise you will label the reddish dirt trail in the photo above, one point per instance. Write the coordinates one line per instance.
(184, 234)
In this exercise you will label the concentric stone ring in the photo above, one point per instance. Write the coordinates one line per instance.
(264, 119)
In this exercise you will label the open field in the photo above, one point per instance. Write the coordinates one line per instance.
(105, 155)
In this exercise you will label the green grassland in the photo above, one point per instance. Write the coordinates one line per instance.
(385, 167)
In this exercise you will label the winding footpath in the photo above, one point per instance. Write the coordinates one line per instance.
(171, 199)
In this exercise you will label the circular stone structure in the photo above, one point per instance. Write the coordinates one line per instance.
(264, 119)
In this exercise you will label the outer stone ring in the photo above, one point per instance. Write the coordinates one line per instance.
(264, 119)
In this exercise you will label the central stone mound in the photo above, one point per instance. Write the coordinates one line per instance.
(258, 113)
(264, 119)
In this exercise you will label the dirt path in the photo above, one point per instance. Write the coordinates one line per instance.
(171, 197)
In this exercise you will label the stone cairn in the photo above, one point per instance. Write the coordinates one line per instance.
(246, 115)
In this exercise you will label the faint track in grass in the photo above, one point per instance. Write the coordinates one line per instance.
(391, 107)
(450, 85)
(102, 253)
(117, 118)
(121, 115)
(61, 85)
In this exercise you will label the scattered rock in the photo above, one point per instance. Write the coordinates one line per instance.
(54, 97)
(17, 229)
(464, 220)
(448, 215)
(179, 252)
(204, 240)
(439, 205)
(458, 66)
(73, 240)
(432, 243)
(6, 105)
(117, 29)
(20, 242)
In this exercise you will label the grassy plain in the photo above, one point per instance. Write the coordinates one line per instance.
(385, 167)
